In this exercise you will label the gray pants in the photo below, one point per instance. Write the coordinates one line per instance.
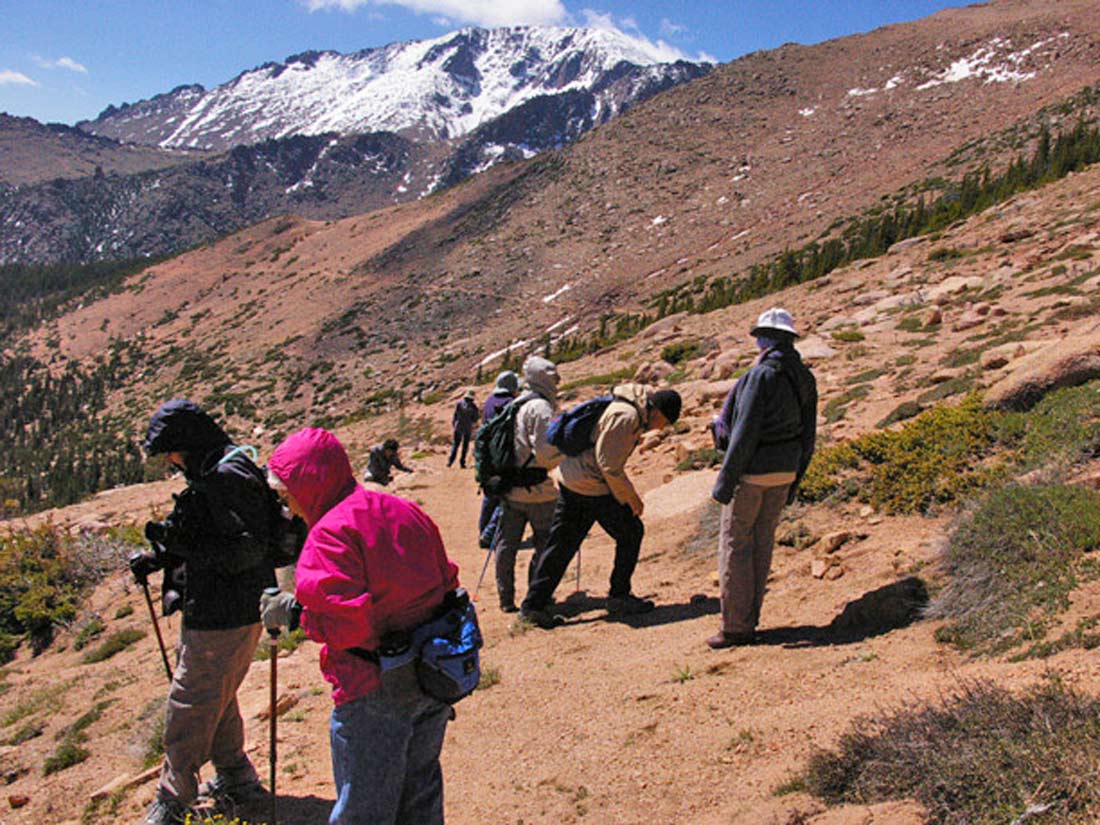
(513, 520)
(745, 543)
(203, 720)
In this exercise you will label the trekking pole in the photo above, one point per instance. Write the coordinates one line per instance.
(273, 641)
(578, 570)
(156, 627)
(488, 554)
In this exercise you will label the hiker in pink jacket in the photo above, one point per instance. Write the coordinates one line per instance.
(373, 563)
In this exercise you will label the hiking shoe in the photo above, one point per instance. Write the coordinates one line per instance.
(723, 640)
(165, 812)
(628, 605)
(508, 607)
(241, 790)
(541, 618)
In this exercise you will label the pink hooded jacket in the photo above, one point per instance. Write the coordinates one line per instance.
(372, 562)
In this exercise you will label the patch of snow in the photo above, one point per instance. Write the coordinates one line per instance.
(992, 63)
(548, 298)
(861, 92)
(893, 82)
(659, 220)
(809, 111)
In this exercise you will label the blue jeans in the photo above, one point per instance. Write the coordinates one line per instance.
(385, 755)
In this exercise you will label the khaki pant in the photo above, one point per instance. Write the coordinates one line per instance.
(203, 720)
(745, 543)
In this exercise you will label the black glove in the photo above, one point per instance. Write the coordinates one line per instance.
(142, 564)
(156, 532)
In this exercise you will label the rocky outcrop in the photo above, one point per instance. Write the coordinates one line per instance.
(1065, 363)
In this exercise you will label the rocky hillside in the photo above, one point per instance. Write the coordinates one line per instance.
(612, 722)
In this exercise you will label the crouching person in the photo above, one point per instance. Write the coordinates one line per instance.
(213, 548)
(371, 565)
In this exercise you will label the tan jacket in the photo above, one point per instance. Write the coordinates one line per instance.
(602, 469)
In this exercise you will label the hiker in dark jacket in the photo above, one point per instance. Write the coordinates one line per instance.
(465, 417)
(382, 461)
(215, 550)
(768, 429)
(506, 388)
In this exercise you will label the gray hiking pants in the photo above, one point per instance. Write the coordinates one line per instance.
(203, 720)
(746, 540)
(514, 518)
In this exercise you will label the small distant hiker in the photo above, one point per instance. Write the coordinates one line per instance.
(215, 550)
(534, 504)
(506, 388)
(595, 489)
(382, 461)
(768, 429)
(372, 564)
(465, 416)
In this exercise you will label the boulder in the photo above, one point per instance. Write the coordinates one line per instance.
(721, 366)
(814, 349)
(941, 293)
(1064, 363)
(653, 372)
(831, 542)
(665, 325)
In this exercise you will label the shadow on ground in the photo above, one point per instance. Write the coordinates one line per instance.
(292, 810)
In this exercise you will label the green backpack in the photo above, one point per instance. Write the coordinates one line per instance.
(495, 467)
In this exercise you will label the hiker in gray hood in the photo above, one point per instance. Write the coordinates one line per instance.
(535, 504)
(767, 429)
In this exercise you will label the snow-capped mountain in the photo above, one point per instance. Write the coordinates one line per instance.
(431, 89)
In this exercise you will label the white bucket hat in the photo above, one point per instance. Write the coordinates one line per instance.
(775, 318)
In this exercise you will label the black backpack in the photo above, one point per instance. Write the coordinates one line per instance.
(495, 467)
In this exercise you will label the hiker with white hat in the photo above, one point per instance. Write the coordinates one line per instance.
(767, 428)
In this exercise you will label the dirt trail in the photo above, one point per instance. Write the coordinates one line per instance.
(598, 721)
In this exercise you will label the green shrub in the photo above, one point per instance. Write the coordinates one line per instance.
(115, 643)
(837, 407)
(984, 757)
(29, 731)
(1063, 427)
(681, 351)
(68, 753)
(935, 458)
(91, 630)
(953, 386)
(607, 379)
(1013, 562)
(848, 335)
(124, 611)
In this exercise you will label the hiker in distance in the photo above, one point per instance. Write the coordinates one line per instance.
(506, 387)
(215, 549)
(533, 503)
(595, 488)
(383, 461)
(372, 563)
(767, 428)
(465, 416)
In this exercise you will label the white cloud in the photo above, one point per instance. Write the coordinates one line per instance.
(670, 29)
(476, 12)
(10, 78)
(60, 63)
(658, 51)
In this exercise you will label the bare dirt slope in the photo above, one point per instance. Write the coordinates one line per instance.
(629, 722)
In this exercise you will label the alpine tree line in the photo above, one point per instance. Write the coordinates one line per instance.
(59, 445)
(864, 237)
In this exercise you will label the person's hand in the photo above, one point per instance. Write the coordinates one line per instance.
(277, 609)
(156, 532)
(141, 565)
(637, 506)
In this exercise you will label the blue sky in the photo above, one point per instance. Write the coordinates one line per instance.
(66, 60)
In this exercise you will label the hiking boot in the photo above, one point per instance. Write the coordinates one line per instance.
(239, 790)
(165, 812)
(508, 607)
(541, 618)
(722, 640)
(628, 605)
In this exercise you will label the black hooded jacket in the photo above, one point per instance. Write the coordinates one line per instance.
(216, 541)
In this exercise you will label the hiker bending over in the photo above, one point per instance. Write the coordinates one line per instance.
(214, 548)
(465, 416)
(383, 459)
(489, 520)
(767, 428)
(595, 488)
(372, 563)
(535, 504)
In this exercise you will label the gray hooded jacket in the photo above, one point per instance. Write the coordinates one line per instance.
(539, 407)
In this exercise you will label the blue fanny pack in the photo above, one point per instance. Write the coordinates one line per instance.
(443, 650)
